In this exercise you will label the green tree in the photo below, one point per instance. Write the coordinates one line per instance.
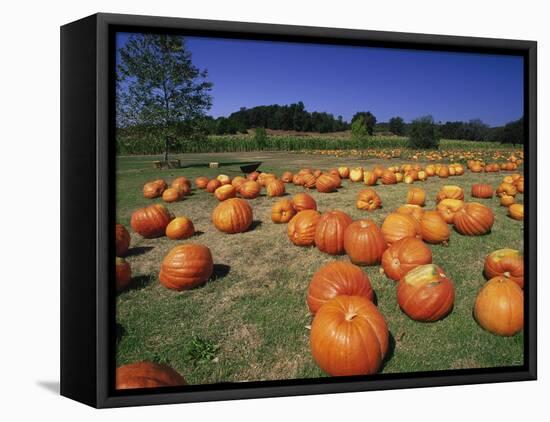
(423, 133)
(260, 137)
(396, 125)
(513, 133)
(368, 117)
(159, 86)
(359, 131)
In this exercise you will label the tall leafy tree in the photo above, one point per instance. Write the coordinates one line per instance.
(368, 117)
(159, 86)
(396, 125)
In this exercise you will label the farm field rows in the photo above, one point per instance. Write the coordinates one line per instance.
(250, 321)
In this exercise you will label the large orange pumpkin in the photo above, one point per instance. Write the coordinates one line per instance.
(343, 172)
(416, 196)
(370, 178)
(364, 242)
(232, 216)
(253, 176)
(329, 233)
(181, 183)
(368, 199)
(250, 189)
(304, 201)
(482, 190)
(151, 221)
(516, 211)
(434, 228)
(275, 188)
(499, 307)
(448, 208)
(396, 226)
(426, 293)
(123, 273)
(451, 192)
(122, 240)
(356, 174)
(505, 263)
(146, 375)
(186, 266)
(180, 228)
(506, 189)
(326, 183)
(225, 192)
(405, 255)
(282, 211)
(301, 228)
(349, 336)
(334, 279)
(224, 179)
(309, 181)
(474, 219)
(238, 181)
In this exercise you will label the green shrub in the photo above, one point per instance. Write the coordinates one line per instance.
(423, 134)
(260, 137)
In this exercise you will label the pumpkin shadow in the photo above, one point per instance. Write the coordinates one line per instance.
(198, 233)
(220, 271)
(139, 282)
(477, 235)
(391, 351)
(139, 250)
(255, 224)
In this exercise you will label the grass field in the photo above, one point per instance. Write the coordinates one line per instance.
(250, 322)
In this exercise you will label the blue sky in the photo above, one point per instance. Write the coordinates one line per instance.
(343, 79)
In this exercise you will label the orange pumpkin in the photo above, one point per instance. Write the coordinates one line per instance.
(334, 279)
(474, 219)
(232, 216)
(151, 221)
(153, 190)
(370, 178)
(356, 174)
(448, 208)
(212, 185)
(304, 201)
(396, 226)
(505, 263)
(225, 192)
(122, 240)
(326, 183)
(287, 177)
(275, 188)
(520, 185)
(123, 273)
(516, 211)
(443, 172)
(368, 200)
(186, 266)
(171, 195)
(182, 184)
(415, 211)
(388, 178)
(506, 200)
(238, 181)
(224, 179)
(180, 228)
(405, 255)
(309, 181)
(146, 375)
(253, 176)
(301, 228)
(349, 336)
(434, 228)
(482, 190)
(416, 196)
(499, 307)
(364, 242)
(426, 293)
(506, 189)
(282, 211)
(201, 182)
(250, 189)
(451, 192)
(343, 172)
(298, 179)
(329, 233)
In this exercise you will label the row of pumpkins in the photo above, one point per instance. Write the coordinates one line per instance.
(340, 294)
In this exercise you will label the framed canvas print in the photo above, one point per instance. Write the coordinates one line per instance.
(253, 210)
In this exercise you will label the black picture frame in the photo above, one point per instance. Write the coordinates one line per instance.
(87, 179)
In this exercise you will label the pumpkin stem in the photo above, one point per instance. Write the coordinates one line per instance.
(350, 316)
(506, 274)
